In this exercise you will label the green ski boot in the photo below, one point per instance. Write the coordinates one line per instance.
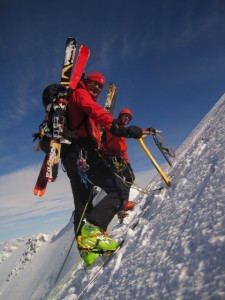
(92, 237)
(89, 257)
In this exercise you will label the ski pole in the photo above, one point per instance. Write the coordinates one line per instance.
(154, 162)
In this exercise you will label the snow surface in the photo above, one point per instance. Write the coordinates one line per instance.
(176, 250)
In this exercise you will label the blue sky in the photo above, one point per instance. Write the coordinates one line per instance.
(166, 57)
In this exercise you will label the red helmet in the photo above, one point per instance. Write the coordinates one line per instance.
(125, 111)
(96, 76)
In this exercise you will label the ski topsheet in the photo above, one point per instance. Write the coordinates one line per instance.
(69, 78)
(83, 55)
(111, 99)
(46, 169)
(70, 51)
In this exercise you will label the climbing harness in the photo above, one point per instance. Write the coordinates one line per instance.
(83, 167)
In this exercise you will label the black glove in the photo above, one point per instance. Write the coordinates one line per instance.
(151, 130)
(51, 92)
(117, 130)
(134, 132)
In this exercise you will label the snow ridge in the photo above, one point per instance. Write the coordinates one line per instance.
(7, 248)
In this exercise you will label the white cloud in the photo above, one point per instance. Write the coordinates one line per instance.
(20, 209)
(23, 213)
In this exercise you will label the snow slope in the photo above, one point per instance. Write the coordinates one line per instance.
(176, 251)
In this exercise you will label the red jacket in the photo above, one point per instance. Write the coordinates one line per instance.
(85, 115)
(113, 146)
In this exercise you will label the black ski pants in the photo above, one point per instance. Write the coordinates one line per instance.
(100, 174)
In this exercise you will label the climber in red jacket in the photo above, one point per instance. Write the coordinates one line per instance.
(114, 150)
(86, 168)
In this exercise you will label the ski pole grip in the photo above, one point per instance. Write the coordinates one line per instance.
(145, 132)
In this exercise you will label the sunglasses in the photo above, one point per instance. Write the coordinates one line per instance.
(126, 116)
(96, 84)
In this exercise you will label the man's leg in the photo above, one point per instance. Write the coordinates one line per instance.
(117, 193)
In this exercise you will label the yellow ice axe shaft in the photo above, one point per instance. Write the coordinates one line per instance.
(156, 165)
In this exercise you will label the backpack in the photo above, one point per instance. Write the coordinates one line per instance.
(54, 125)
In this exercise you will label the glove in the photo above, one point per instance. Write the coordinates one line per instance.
(134, 132)
(151, 130)
(117, 130)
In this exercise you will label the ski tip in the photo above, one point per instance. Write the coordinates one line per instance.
(85, 49)
(38, 192)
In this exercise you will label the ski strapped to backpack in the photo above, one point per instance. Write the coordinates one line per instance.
(69, 55)
(53, 125)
